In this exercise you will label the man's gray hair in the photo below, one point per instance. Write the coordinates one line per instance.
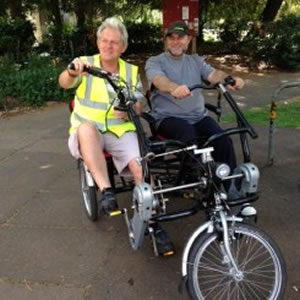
(114, 23)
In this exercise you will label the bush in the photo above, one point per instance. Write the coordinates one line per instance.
(277, 44)
(16, 38)
(33, 83)
(233, 31)
(70, 42)
(144, 38)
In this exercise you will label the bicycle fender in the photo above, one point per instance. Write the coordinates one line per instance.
(207, 226)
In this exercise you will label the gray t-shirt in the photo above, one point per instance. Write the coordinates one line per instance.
(188, 70)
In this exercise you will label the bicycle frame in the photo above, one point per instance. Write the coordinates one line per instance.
(147, 155)
(149, 208)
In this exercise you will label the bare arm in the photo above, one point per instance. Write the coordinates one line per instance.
(68, 78)
(162, 83)
(219, 76)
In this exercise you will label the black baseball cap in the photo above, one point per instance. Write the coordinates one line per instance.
(178, 27)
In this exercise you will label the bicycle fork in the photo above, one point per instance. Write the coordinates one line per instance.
(209, 227)
(226, 250)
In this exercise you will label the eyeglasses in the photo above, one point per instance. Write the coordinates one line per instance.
(110, 43)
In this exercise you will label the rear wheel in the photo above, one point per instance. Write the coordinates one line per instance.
(89, 194)
(262, 269)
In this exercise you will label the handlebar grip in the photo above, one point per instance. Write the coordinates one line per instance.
(71, 66)
(229, 81)
(92, 70)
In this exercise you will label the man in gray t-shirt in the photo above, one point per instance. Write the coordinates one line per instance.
(179, 113)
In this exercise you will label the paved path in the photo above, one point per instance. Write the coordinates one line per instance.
(49, 250)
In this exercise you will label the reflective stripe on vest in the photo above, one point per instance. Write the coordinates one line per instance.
(93, 99)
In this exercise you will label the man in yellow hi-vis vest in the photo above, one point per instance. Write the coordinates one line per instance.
(95, 125)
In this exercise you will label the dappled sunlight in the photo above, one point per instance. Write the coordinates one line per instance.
(240, 97)
(241, 104)
(211, 93)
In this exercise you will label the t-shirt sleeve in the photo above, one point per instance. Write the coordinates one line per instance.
(153, 68)
(204, 67)
(138, 93)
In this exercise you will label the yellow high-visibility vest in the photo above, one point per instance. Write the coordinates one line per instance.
(92, 100)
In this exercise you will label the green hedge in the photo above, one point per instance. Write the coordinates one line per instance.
(277, 44)
(144, 38)
(33, 83)
(16, 38)
(70, 42)
(73, 42)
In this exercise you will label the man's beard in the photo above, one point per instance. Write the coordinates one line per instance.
(176, 54)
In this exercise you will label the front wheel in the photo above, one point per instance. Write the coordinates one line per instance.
(210, 275)
(89, 194)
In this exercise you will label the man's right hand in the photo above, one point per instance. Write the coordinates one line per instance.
(181, 92)
(78, 67)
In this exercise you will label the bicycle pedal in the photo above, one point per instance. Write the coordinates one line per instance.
(116, 213)
(169, 253)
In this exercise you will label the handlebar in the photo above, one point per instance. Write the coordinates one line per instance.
(242, 121)
(98, 72)
(227, 81)
(93, 71)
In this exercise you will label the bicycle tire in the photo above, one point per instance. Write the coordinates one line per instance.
(210, 276)
(89, 195)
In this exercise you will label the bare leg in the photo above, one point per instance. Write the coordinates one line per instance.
(92, 153)
(136, 171)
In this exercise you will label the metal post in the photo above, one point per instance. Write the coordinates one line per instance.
(272, 117)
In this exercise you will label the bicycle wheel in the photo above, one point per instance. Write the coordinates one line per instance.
(211, 276)
(89, 195)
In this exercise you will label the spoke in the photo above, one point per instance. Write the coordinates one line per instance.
(245, 291)
(256, 290)
(211, 268)
(215, 278)
(212, 281)
(218, 289)
(260, 285)
(262, 274)
(255, 255)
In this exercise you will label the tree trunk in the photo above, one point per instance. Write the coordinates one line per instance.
(55, 9)
(202, 15)
(79, 9)
(3, 7)
(15, 9)
(270, 11)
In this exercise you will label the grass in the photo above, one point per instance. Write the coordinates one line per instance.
(288, 115)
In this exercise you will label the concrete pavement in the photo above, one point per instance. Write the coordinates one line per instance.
(50, 250)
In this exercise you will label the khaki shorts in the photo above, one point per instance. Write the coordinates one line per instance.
(123, 149)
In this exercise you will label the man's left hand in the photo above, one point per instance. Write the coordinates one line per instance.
(239, 83)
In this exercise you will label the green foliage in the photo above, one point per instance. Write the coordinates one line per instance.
(16, 38)
(144, 38)
(33, 84)
(70, 42)
(232, 17)
(277, 43)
